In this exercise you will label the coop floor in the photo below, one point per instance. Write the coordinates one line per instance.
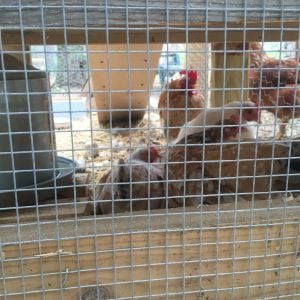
(73, 139)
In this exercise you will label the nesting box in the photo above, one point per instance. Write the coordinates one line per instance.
(120, 83)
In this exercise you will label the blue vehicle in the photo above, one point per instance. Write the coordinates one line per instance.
(169, 64)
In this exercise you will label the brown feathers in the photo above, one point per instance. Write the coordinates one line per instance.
(178, 104)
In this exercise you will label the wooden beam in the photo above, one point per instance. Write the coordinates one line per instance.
(176, 34)
(153, 21)
(229, 75)
(244, 251)
(119, 14)
(199, 60)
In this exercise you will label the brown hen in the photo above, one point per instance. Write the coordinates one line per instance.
(274, 82)
(188, 185)
(131, 185)
(283, 102)
(211, 174)
(179, 103)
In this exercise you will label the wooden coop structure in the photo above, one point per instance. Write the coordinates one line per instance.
(240, 250)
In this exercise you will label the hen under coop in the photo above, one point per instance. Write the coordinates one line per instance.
(149, 149)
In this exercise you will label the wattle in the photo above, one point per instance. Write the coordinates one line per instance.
(192, 92)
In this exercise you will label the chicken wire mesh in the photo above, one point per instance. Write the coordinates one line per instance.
(138, 162)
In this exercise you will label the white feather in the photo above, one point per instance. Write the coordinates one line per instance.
(210, 117)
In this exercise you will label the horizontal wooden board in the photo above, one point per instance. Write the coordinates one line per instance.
(211, 216)
(100, 13)
(154, 21)
(243, 250)
(179, 34)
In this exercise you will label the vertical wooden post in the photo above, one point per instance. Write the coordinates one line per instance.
(234, 81)
(199, 60)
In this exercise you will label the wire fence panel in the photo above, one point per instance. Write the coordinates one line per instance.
(149, 149)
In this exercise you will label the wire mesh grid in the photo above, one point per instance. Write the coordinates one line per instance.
(149, 149)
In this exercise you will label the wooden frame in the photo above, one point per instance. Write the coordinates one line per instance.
(152, 21)
(245, 250)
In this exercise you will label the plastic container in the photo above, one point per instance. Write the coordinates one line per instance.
(27, 140)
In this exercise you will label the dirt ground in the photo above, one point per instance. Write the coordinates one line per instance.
(75, 140)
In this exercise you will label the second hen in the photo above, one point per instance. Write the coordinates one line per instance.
(283, 102)
(211, 174)
(275, 83)
(266, 71)
(179, 103)
(187, 183)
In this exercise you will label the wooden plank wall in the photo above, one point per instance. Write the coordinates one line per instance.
(235, 253)
(229, 75)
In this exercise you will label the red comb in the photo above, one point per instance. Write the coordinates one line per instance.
(192, 76)
(154, 149)
(154, 153)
